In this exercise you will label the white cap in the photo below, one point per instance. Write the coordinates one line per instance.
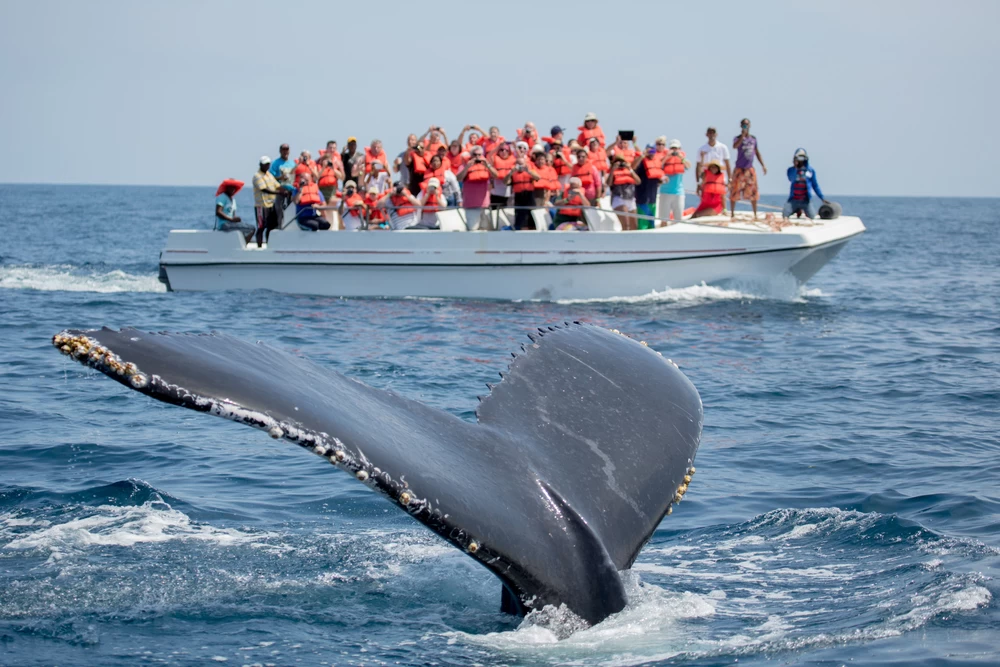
(265, 159)
(537, 148)
(590, 116)
(521, 144)
(675, 143)
(435, 182)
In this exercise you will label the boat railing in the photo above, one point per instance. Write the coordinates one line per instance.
(505, 215)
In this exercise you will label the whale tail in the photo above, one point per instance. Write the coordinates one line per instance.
(579, 452)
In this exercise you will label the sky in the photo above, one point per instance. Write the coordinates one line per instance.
(889, 98)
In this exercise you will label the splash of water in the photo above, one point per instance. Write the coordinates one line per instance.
(66, 278)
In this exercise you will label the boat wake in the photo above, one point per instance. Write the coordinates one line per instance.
(779, 289)
(67, 278)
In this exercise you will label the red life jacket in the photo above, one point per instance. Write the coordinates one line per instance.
(522, 181)
(354, 203)
(435, 173)
(419, 165)
(309, 195)
(402, 205)
(456, 162)
(431, 206)
(654, 169)
(627, 153)
(328, 177)
(599, 159)
(372, 157)
(622, 176)
(713, 184)
(375, 214)
(477, 173)
(504, 165)
(561, 163)
(586, 134)
(577, 201)
(674, 164)
(432, 148)
(488, 144)
(548, 174)
(526, 137)
(585, 172)
(302, 168)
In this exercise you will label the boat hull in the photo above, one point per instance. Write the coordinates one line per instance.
(498, 265)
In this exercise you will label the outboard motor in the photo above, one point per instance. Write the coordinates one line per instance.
(829, 211)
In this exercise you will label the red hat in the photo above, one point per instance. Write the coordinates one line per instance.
(229, 183)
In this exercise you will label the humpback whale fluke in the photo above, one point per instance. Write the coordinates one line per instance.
(580, 450)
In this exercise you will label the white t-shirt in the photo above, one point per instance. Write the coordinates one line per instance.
(718, 152)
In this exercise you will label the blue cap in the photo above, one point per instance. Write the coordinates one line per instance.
(555, 130)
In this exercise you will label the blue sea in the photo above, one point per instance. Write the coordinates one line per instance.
(846, 508)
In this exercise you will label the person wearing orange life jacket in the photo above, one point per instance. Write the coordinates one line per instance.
(373, 153)
(305, 164)
(455, 156)
(330, 156)
(492, 140)
(415, 160)
(548, 182)
(330, 176)
(591, 130)
(431, 200)
(598, 157)
(622, 180)
(503, 160)
(561, 162)
(433, 138)
(624, 148)
(376, 215)
(570, 215)
(447, 183)
(649, 167)
(522, 180)
(528, 134)
(712, 190)
(670, 202)
(475, 178)
(307, 198)
(401, 206)
(590, 177)
(353, 210)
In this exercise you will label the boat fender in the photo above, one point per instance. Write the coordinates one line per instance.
(830, 210)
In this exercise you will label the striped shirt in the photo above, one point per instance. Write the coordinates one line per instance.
(263, 180)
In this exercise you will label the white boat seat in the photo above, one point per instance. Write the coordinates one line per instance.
(601, 221)
(542, 219)
(451, 221)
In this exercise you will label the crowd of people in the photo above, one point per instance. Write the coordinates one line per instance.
(482, 172)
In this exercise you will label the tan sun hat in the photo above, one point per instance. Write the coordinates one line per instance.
(590, 116)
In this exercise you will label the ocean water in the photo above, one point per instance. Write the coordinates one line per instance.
(846, 508)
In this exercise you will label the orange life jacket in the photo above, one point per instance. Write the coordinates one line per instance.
(577, 201)
(713, 184)
(432, 148)
(375, 214)
(372, 157)
(584, 171)
(585, 135)
(530, 139)
(455, 162)
(522, 181)
(627, 153)
(622, 176)
(674, 164)
(504, 165)
(302, 168)
(654, 168)
(561, 163)
(488, 144)
(309, 195)
(599, 159)
(548, 174)
(432, 206)
(477, 173)
(435, 173)
(328, 177)
(419, 165)
(354, 203)
(402, 205)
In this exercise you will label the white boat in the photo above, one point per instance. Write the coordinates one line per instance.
(524, 265)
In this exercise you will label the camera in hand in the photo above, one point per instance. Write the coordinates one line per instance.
(626, 135)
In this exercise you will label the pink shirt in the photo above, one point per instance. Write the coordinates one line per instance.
(476, 194)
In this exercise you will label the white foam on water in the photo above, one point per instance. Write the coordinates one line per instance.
(112, 525)
(779, 288)
(65, 278)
